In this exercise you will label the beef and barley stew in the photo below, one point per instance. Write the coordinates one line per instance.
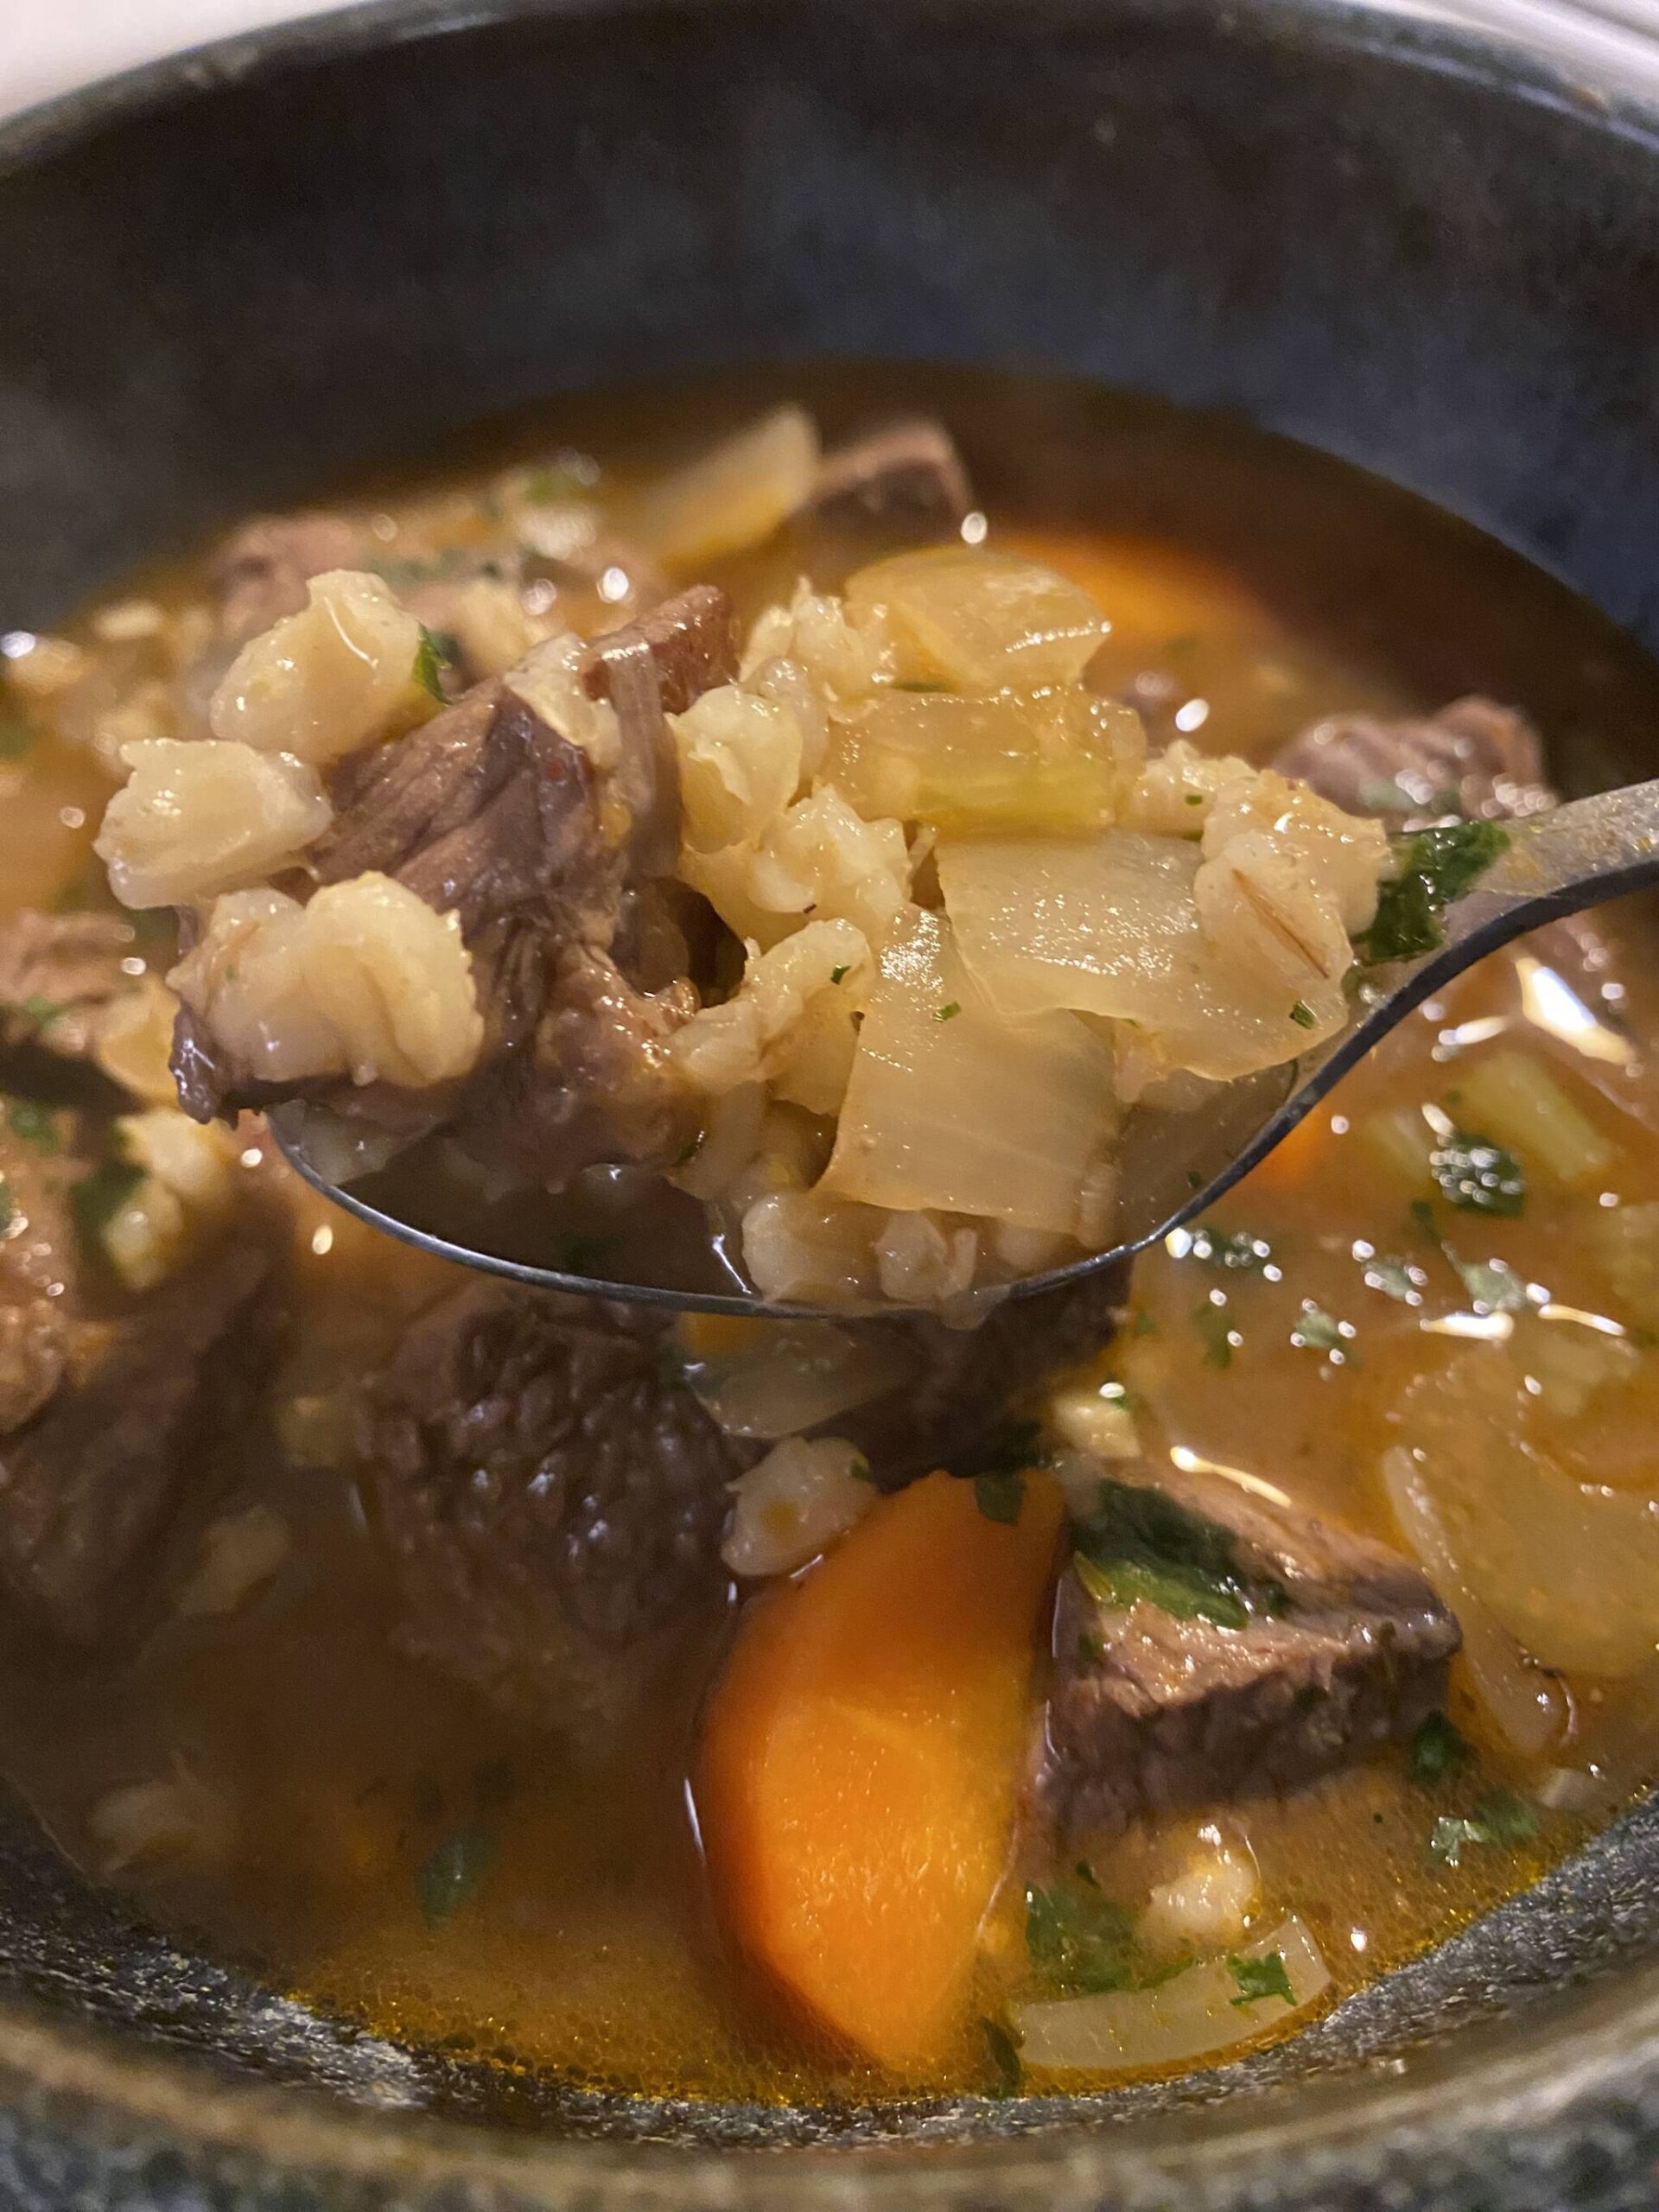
(786, 839)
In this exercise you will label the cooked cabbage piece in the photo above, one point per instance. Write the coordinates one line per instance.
(977, 621)
(192, 820)
(951, 1106)
(1061, 759)
(364, 982)
(345, 672)
(1110, 925)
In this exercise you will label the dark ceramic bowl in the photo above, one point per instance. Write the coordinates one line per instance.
(228, 276)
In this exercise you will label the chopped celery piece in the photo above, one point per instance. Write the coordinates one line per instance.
(1054, 761)
(1512, 1098)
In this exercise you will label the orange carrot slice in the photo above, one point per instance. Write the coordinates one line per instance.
(861, 1757)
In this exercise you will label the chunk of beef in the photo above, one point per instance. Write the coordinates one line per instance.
(1242, 1648)
(551, 1499)
(1483, 761)
(262, 569)
(905, 477)
(101, 1414)
(58, 974)
(690, 644)
(40, 1322)
(961, 1385)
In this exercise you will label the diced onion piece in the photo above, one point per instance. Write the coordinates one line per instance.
(1570, 1569)
(1341, 856)
(798, 1500)
(1049, 760)
(731, 497)
(134, 1042)
(791, 1376)
(1625, 1241)
(978, 619)
(1512, 1098)
(951, 1107)
(800, 1247)
(197, 1163)
(1524, 1703)
(1108, 925)
(1176, 792)
(147, 1239)
(1095, 1419)
(1193, 2015)
(194, 819)
(239, 1554)
(339, 675)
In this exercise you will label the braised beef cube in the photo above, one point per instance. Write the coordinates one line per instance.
(1473, 758)
(1209, 1644)
(550, 1497)
(904, 476)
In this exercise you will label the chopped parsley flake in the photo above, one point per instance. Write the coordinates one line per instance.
(1500, 1818)
(839, 974)
(1479, 1176)
(454, 1872)
(1316, 1329)
(1435, 867)
(1080, 1942)
(948, 1013)
(1140, 1545)
(1004, 2055)
(1214, 1326)
(1260, 1978)
(1000, 1495)
(35, 1124)
(429, 662)
(1233, 1250)
(97, 1199)
(1491, 1284)
(1396, 1279)
(6, 1209)
(1437, 1750)
(1303, 1015)
(41, 1012)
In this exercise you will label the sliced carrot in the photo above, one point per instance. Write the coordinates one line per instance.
(860, 1757)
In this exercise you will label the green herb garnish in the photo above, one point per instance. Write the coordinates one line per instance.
(1234, 1250)
(1000, 1496)
(1491, 1283)
(1436, 865)
(948, 1013)
(35, 1124)
(1008, 1450)
(1316, 1329)
(1260, 1978)
(1395, 1278)
(1004, 2055)
(430, 660)
(1500, 1818)
(1479, 1176)
(839, 974)
(1078, 1940)
(7, 1208)
(97, 1199)
(1303, 1015)
(1214, 1326)
(1437, 1751)
(454, 1872)
(1139, 1544)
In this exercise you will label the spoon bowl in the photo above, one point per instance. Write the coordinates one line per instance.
(1175, 1166)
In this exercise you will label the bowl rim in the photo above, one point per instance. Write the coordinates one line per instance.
(1499, 2096)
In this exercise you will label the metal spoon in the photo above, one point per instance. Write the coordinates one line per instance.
(1176, 1165)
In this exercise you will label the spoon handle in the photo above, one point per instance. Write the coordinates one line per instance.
(1557, 863)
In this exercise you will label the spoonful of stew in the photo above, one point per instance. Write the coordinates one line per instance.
(859, 956)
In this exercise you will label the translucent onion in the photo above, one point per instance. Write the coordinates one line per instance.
(1195, 2014)
(793, 1374)
(1108, 925)
(950, 1108)
(1527, 1707)
(731, 497)
(1571, 1569)
(1052, 761)
(976, 620)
